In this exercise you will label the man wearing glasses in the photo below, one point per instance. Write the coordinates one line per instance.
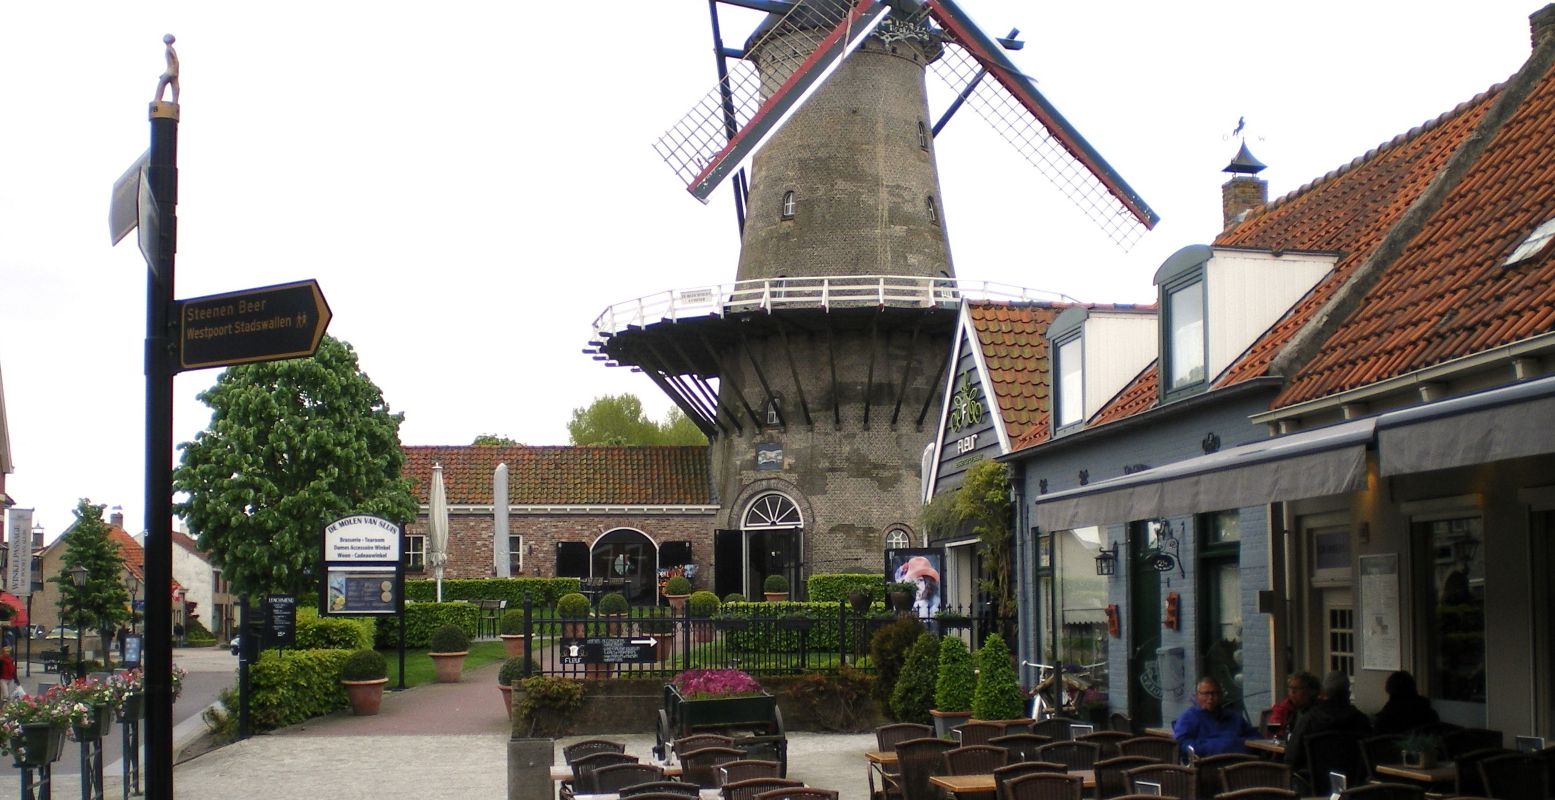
(1209, 728)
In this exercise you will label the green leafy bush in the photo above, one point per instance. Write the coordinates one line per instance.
(956, 682)
(998, 694)
(449, 639)
(734, 597)
(364, 665)
(543, 592)
(613, 603)
(421, 619)
(838, 701)
(679, 584)
(830, 587)
(333, 633)
(572, 606)
(513, 622)
(913, 695)
(513, 669)
(289, 686)
(775, 584)
(702, 604)
(903, 586)
(888, 649)
(819, 619)
(547, 705)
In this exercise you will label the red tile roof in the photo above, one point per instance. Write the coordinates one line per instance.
(566, 475)
(1013, 339)
(1447, 294)
(1140, 395)
(129, 549)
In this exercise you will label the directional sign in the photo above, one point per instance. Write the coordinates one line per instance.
(609, 650)
(265, 324)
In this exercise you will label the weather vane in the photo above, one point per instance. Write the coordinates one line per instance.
(170, 77)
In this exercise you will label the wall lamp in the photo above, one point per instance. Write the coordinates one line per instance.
(1107, 560)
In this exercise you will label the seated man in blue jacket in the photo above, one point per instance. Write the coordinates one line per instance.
(1209, 728)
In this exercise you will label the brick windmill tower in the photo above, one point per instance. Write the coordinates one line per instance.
(814, 373)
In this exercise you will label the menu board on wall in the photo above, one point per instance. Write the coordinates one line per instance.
(1381, 642)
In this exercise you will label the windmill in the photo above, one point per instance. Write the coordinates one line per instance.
(814, 372)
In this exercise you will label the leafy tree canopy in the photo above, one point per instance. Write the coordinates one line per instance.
(619, 420)
(493, 440)
(984, 501)
(100, 603)
(291, 446)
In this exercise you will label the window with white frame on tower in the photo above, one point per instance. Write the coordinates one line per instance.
(790, 204)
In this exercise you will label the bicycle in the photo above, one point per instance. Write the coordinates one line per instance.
(1044, 701)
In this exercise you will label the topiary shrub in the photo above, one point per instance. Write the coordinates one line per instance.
(998, 694)
(513, 622)
(333, 633)
(449, 639)
(956, 682)
(775, 584)
(914, 693)
(613, 603)
(513, 670)
(678, 585)
(702, 604)
(888, 649)
(572, 606)
(364, 665)
(734, 597)
(548, 705)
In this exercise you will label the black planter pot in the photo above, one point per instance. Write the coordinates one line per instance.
(859, 601)
(901, 601)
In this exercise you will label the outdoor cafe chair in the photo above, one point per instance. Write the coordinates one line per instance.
(748, 789)
(671, 788)
(1163, 751)
(1179, 782)
(1464, 740)
(1515, 776)
(614, 778)
(1209, 768)
(1258, 793)
(1377, 750)
(1255, 775)
(686, 744)
(977, 732)
(799, 793)
(974, 759)
(583, 771)
(1009, 772)
(1110, 778)
(1468, 780)
(1384, 791)
(588, 747)
(1334, 751)
(1119, 721)
(700, 766)
(918, 760)
(1055, 728)
(1108, 740)
(662, 796)
(1044, 786)
(1074, 755)
(887, 736)
(1020, 746)
(749, 768)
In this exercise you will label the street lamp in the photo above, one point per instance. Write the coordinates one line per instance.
(78, 577)
(132, 581)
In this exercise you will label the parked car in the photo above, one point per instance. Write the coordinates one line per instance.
(236, 643)
(55, 633)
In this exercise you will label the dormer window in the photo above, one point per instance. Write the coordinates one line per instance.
(789, 204)
(923, 136)
(1184, 333)
(933, 211)
(1069, 388)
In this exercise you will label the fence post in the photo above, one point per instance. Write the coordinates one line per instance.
(843, 637)
(685, 637)
(529, 632)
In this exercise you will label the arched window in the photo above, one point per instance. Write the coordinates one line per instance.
(772, 511)
(775, 410)
(896, 538)
(923, 136)
(933, 211)
(789, 204)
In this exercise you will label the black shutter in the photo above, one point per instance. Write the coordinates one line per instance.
(728, 563)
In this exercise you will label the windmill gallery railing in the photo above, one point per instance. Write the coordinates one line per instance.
(759, 638)
(825, 293)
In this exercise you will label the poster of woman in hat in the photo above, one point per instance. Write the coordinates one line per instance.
(921, 567)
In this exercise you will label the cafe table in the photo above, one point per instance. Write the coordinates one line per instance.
(958, 785)
(1445, 772)
(564, 772)
(1268, 747)
(1164, 733)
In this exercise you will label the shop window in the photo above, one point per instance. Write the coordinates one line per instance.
(1220, 593)
(1455, 618)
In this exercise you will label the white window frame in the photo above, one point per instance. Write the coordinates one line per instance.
(1179, 342)
(790, 204)
(415, 552)
(897, 538)
(1068, 387)
(515, 549)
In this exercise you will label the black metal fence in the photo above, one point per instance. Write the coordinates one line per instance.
(759, 638)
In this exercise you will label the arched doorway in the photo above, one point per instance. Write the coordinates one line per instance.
(629, 563)
(771, 534)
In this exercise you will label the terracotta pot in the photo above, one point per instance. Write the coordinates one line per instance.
(507, 698)
(663, 645)
(449, 666)
(513, 644)
(365, 696)
(776, 597)
(677, 601)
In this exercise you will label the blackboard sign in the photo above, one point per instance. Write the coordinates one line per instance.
(280, 620)
(360, 591)
(609, 650)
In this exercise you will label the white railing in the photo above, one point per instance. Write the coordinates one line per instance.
(776, 294)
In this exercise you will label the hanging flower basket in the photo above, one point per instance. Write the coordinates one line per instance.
(99, 723)
(37, 744)
(133, 708)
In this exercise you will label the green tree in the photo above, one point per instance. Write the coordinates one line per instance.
(618, 420)
(100, 603)
(291, 446)
(998, 691)
(493, 440)
(984, 501)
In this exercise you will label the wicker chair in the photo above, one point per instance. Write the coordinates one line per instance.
(1110, 778)
(1380, 750)
(583, 770)
(1465, 740)
(1009, 772)
(1179, 782)
(1209, 768)
(701, 766)
(1333, 751)
(1107, 740)
(1384, 791)
(698, 741)
(1255, 775)
(1469, 781)
(1163, 751)
(614, 778)
(1074, 755)
(671, 788)
(799, 793)
(1258, 793)
(887, 736)
(974, 759)
(1043, 786)
(748, 789)
(1020, 746)
(1515, 776)
(660, 796)
(977, 732)
(918, 760)
(747, 768)
(1055, 728)
(588, 747)
(1120, 721)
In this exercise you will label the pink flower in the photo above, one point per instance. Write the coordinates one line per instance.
(703, 684)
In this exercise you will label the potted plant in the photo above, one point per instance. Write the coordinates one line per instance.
(715, 698)
(953, 686)
(775, 588)
(734, 597)
(662, 628)
(573, 608)
(90, 704)
(364, 674)
(613, 608)
(512, 632)
(1419, 750)
(676, 591)
(511, 672)
(32, 728)
(859, 597)
(449, 645)
(702, 606)
(901, 594)
(998, 696)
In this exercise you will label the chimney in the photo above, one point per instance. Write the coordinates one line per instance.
(1542, 24)
(1245, 192)
(116, 517)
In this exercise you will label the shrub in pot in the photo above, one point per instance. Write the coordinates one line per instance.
(676, 590)
(998, 695)
(512, 671)
(775, 587)
(511, 629)
(953, 686)
(613, 605)
(572, 606)
(448, 647)
(901, 595)
(734, 597)
(888, 650)
(703, 605)
(364, 674)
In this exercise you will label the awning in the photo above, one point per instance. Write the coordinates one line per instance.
(1314, 463)
(1509, 422)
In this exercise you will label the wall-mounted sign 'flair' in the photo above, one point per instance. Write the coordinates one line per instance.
(362, 538)
(965, 407)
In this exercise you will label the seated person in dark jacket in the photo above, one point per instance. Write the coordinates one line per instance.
(1405, 708)
(1209, 728)
(1332, 712)
(1304, 687)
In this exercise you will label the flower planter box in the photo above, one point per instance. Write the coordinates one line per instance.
(42, 744)
(99, 724)
(754, 721)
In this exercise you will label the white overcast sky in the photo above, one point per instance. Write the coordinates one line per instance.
(472, 183)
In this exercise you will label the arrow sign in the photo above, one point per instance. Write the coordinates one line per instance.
(645, 642)
(265, 324)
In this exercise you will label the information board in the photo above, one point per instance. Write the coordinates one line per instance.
(280, 620)
(132, 648)
(359, 590)
(609, 650)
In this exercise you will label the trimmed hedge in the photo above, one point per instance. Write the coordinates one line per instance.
(830, 587)
(334, 633)
(543, 591)
(290, 686)
(423, 618)
(773, 637)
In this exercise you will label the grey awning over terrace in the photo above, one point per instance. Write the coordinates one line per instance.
(1509, 422)
(1314, 463)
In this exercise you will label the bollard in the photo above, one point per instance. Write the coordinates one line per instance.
(529, 769)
